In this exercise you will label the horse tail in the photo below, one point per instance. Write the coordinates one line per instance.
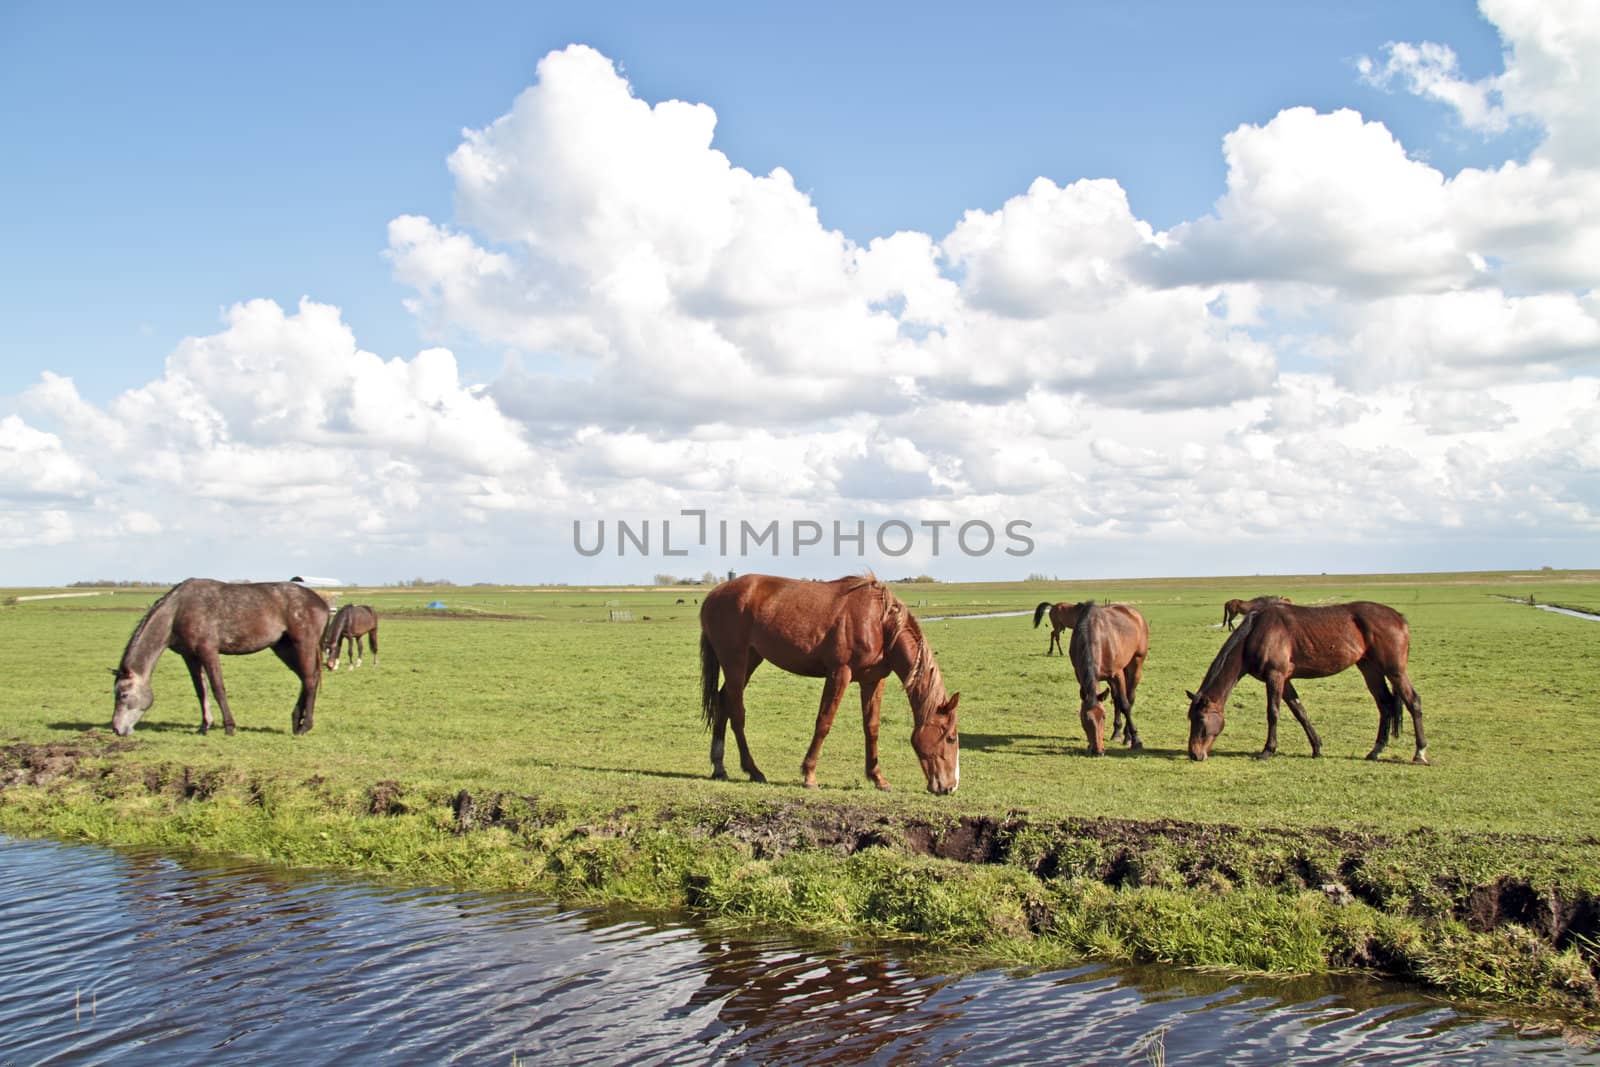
(710, 705)
(372, 636)
(1038, 612)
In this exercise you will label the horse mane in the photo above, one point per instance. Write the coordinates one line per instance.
(338, 624)
(897, 619)
(1087, 670)
(144, 622)
(1234, 640)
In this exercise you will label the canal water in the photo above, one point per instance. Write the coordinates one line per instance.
(129, 957)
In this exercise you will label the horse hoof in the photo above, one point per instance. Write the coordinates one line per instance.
(1373, 755)
(1135, 744)
(757, 776)
(1266, 753)
(719, 776)
(881, 784)
(1421, 757)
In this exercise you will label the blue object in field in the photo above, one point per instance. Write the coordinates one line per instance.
(437, 605)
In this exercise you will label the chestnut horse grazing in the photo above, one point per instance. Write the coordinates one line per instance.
(201, 618)
(1109, 644)
(1281, 642)
(852, 629)
(351, 623)
(1063, 616)
(1234, 608)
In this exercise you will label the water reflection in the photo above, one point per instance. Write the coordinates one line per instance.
(119, 955)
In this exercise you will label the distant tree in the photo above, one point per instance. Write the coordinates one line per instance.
(709, 578)
(666, 579)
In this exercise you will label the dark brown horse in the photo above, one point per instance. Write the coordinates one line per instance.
(350, 624)
(1109, 644)
(1282, 642)
(1063, 616)
(852, 629)
(1234, 608)
(200, 619)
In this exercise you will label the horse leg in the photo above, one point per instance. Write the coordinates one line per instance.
(1378, 686)
(302, 659)
(1055, 642)
(195, 676)
(1124, 712)
(1404, 691)
(871, 702)
(1117, 709)
(1130, 680)
(733, 710)
(832, 693)
(355, 652)
(1299, 709)
(1275, 683)
(213, 668)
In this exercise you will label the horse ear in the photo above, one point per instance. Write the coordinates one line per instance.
(1191, 696)
(949, 706)
(1101, 699)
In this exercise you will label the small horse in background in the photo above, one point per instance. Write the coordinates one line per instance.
(1282, 642)
(1234, 608)
(200, 619)
(851, 629)
(350, 624)
(1109, 644)
(1063, 616)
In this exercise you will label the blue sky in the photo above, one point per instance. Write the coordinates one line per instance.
(170, 163)
(177, 160)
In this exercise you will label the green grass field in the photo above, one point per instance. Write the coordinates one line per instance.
(534, 693)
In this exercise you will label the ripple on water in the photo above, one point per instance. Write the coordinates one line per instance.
(115, 955)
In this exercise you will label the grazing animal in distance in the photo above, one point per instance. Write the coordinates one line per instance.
(851, 629)
(1063, 616)
(1109, 644)
(1234, 608)
(1282, 642)
(201, 619)
(349, 625)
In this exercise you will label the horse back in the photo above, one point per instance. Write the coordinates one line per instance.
(1112, 635)
(807, 628)
(243, 617)
(1314, 642)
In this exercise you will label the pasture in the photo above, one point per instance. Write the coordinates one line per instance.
(534, 691)
(582, 742)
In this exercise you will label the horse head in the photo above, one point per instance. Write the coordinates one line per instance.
(1205, 723)
(132, 698)
(937, 742)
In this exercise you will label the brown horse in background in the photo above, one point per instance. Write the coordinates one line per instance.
(200, 619)
(1109, 644)
(852, 629)
(1063, 616)
(350, 624)
(1282, 642)
(1234, 608)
